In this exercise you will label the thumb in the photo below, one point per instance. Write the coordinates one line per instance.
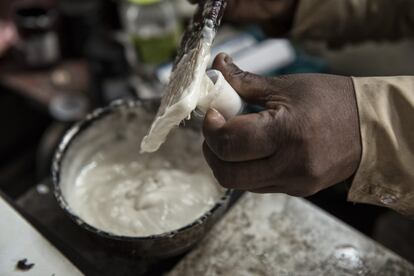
(252, 88)
(213, 121)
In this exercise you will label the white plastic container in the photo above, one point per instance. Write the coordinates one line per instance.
(221, 96)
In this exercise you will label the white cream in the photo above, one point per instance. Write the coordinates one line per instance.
(187, 101)
(126, 193)
(220, 96)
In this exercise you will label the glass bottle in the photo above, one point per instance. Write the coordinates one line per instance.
(153, 28)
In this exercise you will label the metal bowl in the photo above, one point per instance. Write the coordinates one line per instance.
(66, 162)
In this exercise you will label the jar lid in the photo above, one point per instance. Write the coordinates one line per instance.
(144, 2)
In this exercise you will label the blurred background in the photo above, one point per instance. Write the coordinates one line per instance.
(60, 59)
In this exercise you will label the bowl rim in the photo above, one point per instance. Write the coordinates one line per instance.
(65, 144)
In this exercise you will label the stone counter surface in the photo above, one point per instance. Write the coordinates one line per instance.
(280, 235)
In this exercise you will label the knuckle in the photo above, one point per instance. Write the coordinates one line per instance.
(314, 177)
(314, 174)
(242, 76)
(313, 168)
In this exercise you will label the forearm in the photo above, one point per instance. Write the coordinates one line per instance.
(386, 173)
(340, 21)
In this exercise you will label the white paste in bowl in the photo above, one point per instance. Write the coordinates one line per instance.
(118, 190)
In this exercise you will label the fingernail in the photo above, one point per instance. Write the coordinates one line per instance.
(214, 114)
(214, 111)
(214, 119)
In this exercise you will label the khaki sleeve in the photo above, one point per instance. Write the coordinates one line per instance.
(385, 176)
(341, 21)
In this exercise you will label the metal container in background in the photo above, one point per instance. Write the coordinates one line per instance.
(38, 44)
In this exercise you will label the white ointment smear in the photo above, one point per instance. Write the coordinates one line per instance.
(181, 109)
(191, 88)
(131, 194)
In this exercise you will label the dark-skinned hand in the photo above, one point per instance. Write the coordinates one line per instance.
(275, 16)
(306, 139)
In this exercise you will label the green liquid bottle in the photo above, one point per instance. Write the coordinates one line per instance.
(153, 29)
(156, 49)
